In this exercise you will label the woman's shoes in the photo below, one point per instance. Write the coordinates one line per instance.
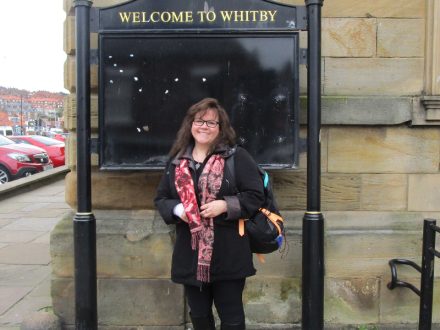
(207, 323)
(238, 326)
(203, 322)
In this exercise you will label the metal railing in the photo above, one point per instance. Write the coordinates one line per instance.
(427, 274)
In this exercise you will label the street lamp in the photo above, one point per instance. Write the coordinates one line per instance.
(21, 114)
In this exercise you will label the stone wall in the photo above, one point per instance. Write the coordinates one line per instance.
(380, 179)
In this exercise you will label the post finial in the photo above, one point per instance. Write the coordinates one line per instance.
(314, 2)
(86, 3)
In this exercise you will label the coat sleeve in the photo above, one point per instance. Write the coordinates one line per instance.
(164, 200)
(249, 184)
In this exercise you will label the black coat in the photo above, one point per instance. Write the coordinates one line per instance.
(231, 257)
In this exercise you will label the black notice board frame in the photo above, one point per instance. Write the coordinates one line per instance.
(105, 155)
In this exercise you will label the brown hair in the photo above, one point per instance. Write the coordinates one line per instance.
(184, 137)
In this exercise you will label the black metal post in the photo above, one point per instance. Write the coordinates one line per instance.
(313, 221)
(427, 281)
(21, 115)
(84, 220)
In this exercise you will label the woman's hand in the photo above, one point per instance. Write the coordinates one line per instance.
(184, 217)
(213, 209)
(180, 212)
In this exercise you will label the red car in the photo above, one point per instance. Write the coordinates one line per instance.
(17, 161)
(54, 148)
(57, 136)
(60, 137)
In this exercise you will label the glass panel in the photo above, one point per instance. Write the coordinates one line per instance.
(149, 83)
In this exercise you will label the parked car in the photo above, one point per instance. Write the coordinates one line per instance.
(6, 130)
(59, 136)
(19, 160)
(54, 148)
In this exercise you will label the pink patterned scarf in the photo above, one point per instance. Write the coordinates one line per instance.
(202, 229)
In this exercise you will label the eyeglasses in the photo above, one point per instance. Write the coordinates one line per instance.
(209, 123)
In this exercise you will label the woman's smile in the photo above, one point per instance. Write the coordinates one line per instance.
(205, 135)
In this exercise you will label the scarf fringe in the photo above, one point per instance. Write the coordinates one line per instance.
(203, 273)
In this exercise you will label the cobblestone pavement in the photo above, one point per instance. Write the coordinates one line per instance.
(25, 224)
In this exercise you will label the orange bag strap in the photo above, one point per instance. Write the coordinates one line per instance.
(241, 227)
(260, 258)
(273, 217)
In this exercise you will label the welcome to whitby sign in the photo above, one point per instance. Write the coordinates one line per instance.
(199, 14)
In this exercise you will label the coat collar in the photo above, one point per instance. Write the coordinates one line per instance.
(223, 150)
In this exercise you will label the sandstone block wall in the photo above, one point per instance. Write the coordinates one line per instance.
(380, 179)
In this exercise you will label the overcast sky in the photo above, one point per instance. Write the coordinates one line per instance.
(31, 50)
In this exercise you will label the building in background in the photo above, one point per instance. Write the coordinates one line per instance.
(31, 112)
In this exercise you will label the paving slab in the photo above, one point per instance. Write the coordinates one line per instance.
(54, 191)
(24, 307)
(8, 207)
(25, 254)
(9, 216)
(42, 289)
(5, 222)
(33, 207)
(19, 236)
(23, 275)
(43, 239)
(38, 199)
(51, 212)
(9, 296)
(31, 223)
(57, 205)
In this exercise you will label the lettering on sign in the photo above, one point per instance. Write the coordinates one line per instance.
(139, 17)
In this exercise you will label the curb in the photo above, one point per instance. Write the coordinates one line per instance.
(32, 182)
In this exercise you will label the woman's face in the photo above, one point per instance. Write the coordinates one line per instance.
(205, 135)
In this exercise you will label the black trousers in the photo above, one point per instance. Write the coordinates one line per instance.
(227, 298)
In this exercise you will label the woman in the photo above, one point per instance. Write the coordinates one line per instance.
(211, 259)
